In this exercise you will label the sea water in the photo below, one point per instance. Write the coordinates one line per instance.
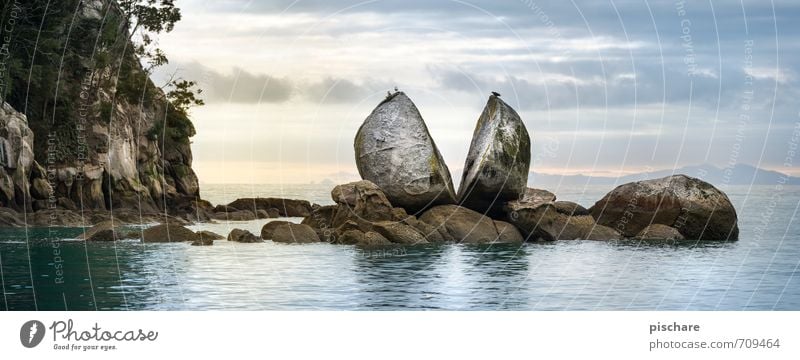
(44, 269)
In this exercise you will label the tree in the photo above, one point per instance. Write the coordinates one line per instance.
(147, 18)
(182, 96)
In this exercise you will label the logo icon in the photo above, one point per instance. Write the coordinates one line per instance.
(31, 333)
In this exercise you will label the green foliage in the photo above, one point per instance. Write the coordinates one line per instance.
(183, 96)
(54, 56)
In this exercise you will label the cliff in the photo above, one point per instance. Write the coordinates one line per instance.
(82, 125)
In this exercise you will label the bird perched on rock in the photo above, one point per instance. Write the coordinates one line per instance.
(395, 89)
(495, 93)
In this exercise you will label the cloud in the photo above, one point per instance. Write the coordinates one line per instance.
(239, 86)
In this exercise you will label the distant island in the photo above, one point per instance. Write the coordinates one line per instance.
(739, 174)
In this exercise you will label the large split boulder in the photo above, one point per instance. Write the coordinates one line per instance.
(459, 224)
(395, 151)
(695, 208)
(499, 157)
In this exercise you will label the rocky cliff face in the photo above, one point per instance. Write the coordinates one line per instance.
(97, 134)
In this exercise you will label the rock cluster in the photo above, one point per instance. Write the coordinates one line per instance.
(364, 216)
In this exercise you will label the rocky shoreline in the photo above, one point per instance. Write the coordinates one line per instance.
(683, 208)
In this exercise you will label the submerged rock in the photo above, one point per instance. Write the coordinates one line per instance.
(104, 231)
(496, 169)
(697, 209)
(243, 236)
(395, 151)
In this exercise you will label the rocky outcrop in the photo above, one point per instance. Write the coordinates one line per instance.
(117, 142)
(496, 169)
(395, 151)
(462, 225)
(698, 210)
(294, 234)
(284, 207)
(168, 233)
(243, 236)
(541, 218)
(18, 169)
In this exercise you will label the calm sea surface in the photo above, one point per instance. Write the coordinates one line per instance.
(42, 269)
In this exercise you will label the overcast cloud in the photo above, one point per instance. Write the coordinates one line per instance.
(618, 85)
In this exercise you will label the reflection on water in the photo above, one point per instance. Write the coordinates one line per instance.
(40, 270)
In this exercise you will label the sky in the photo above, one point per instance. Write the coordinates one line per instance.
(605, 88)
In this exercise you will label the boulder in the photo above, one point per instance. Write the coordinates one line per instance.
(320, 220)
(269, 228)
(285, 207)
(242, 236)
(372, 238)
(600, 232)
(351, 237)
(168, 233)
(398, 233)
(294, 234)
(556, 220)
(104, 231)
(209, 235)
(239, 215)
(368, 239)
(395, 151)
(698, 210)
(570, 208)
(659, 232)
(262, 214)
(224, 209)
(367, 203)
(462, 225)
(532, 197)
(273, 213)
(498, 161)
(507, 233)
